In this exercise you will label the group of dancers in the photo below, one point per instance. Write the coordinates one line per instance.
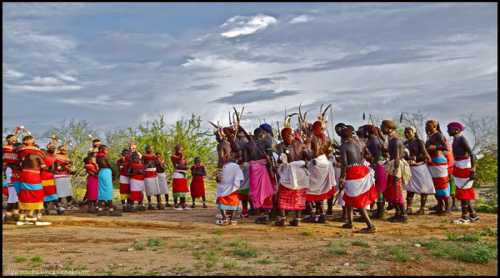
(264, 174)
(370, 168)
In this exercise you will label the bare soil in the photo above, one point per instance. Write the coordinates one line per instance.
(171, 242)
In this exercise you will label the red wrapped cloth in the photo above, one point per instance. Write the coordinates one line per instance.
(291, 199)
(197, 187)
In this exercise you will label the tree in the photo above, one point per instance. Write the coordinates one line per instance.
(76, 135)
(416, 120)
(483, 131)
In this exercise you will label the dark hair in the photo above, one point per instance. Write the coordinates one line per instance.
(124, 151)
(27, 137)
(102, 147)
(9, 136)
(96, 140)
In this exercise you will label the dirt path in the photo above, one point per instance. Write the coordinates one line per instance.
(189, 243)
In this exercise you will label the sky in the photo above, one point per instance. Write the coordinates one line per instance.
(116, 65)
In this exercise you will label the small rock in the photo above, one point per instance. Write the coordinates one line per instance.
(418, 245)
(130, 249)
(346, 264)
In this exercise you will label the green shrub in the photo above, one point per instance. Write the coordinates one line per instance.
(399, 253)
(336, 249)
(486, 169)
(360, 243)
(242, 249)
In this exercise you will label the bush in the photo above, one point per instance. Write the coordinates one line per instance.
(162, 138)
(486, 169)
(336, 249)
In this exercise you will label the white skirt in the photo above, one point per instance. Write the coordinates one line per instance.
(63, 186)
(162, 183)
(136, 185)
(12, 195)
(421, 180)
(151, 185)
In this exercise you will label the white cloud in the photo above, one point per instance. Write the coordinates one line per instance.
(48, 88)
(66, 77)
(244, 25)
(12, 74)
(216, 62)
(102, 100)
(300, 19)
(46, 81)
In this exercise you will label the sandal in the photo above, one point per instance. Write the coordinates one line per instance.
(367, 230)
(261, 220)
(295, 222)
(347, 226)
(280, 222)
(322, 219)
(474, 218)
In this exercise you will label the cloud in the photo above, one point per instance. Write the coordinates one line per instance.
(300, 19)
(97, 102)
(46, 81)
(245, 25)
(202, 87)
(12, 74)
(371, 58)
(268, 80)
(44, 88)
(249, 96)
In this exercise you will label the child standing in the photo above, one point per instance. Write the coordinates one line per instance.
(92, 181)
(198, 183)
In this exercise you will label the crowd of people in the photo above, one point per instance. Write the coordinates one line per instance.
(280, 178)
(38, 180)
(366, 173)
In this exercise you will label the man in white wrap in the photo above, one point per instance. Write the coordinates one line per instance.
(229, 180)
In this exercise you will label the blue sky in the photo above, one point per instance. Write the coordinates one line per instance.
(116, 65)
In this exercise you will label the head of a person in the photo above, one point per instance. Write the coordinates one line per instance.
(134, 157)
(258, 133)
(11, 139)
(410, 133)
(149, 149)
(125, 152)
(132, 147)
(347, 132)
(158, 155)
(51, 148)
(179, 149)
(338, 128)
(62, 149)
(28, 140)
(197, 160)
(267, 128)
(103, 149)
(287, 135)
(388, 126)
(455, 128)
(91, 157)
(431, 126)
(318, 128)
(96, 143)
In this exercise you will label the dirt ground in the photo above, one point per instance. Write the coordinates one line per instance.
(174, 242)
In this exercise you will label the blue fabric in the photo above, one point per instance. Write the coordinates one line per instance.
(27, 186)
(17, 186)
(267, 128)
(440, 193)
(5, 183)
(439, 159)
(105, 191)
(50, 198)
(226, 207)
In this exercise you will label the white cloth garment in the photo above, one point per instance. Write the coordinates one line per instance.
(232, 178)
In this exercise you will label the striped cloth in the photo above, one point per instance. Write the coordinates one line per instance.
(359, 187)
(438, 168)
(31, 190)
(461, 173)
